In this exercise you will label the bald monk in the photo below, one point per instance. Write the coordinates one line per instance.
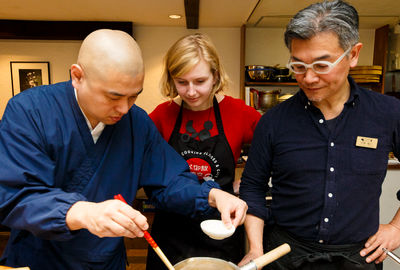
(66, 149)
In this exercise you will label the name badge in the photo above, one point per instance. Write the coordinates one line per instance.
(367, 142)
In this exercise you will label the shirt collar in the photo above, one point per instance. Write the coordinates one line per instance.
(353, 98)
(97, 130)
(354, 92)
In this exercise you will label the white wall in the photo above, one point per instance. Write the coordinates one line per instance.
(60, 54)
(388, 207)
(266, 46)
(154, 42)
(394, 51)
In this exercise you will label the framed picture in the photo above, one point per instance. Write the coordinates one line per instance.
(25, 75)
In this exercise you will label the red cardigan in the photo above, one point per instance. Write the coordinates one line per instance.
(238, 119)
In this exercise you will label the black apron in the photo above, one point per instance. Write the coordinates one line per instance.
(181, 237)
(306, 255)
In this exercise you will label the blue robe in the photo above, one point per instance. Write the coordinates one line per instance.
(48, 161)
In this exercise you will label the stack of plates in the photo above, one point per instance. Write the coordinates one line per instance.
(366, 74)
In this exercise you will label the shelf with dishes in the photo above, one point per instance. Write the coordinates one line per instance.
(266, 86)
(269, 83)
(259, 74)
(264, 96)
(368, 76)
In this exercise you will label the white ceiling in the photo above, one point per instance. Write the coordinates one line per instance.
(372, 13)
(213, 13)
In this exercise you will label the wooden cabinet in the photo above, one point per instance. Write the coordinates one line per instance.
(380, 57)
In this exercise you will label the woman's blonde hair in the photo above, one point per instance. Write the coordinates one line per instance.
(184, 55)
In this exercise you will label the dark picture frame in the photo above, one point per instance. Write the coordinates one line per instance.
(25, 75)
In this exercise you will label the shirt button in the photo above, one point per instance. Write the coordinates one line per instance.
(332, 144)
(326, 219)
(305, 107)
(332, 169)
(330, 195)
(321, 241)
(308, 103)
(321, 121)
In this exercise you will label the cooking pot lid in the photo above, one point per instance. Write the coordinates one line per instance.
(205, 263)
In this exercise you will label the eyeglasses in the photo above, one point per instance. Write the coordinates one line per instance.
(319, 67)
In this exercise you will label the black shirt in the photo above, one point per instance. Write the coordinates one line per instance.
(324, 187)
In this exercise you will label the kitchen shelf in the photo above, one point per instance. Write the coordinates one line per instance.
(379, 58)
(374, 86)
(271, 83)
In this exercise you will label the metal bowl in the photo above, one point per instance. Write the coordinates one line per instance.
(260, 73)
(281, 71)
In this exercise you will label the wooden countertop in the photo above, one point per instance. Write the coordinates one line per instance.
(19, 268)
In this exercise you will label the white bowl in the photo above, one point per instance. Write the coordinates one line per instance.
(215, 229)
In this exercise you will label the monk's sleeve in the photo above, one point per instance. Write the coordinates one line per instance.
(29, 199)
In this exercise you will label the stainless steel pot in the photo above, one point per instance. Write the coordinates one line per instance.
(206, 263)
(265, 100)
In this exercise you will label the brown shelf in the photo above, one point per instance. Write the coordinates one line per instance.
(270, 83)
(374, 86)
(394, 166)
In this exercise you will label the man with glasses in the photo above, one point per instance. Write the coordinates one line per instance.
(326, 151)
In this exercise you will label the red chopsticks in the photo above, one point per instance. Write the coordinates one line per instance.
(151, 241)
(119, 197)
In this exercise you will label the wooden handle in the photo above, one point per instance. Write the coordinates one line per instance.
(157, 249)
(164, 258)
(151, 241)
(272, 256)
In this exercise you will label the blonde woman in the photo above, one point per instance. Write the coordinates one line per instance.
(208, 129)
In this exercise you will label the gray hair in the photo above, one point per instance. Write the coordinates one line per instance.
(335, 16)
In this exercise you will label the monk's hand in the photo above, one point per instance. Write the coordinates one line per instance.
(233, 210)
(111, 218)
(387, 236)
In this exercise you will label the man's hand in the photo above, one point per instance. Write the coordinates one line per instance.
(233, 210)
(255, 231)
(111, 218)
(236, 186)
(388, 236)
(250, 256)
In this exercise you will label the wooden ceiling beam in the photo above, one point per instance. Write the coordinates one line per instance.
(57, 30)
(192, 13)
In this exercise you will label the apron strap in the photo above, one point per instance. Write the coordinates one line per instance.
(307, 255)
(178, 122)
(217, 114)
(298, 261)
(218, 119)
